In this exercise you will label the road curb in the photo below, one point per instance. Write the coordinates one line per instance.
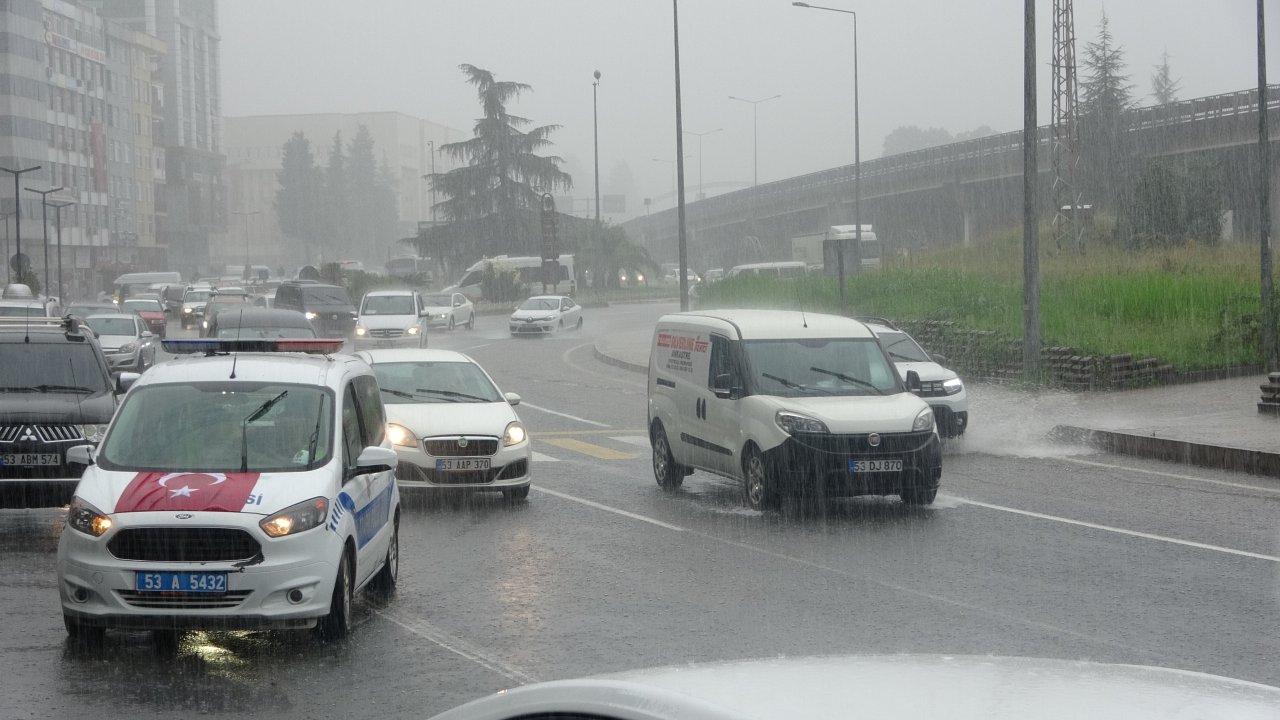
(608, 359)
(1256, 462)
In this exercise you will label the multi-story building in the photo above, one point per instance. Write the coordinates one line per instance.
(406, 144)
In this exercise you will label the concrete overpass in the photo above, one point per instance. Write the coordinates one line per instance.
(951, 193)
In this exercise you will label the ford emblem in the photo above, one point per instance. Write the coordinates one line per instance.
(183, 516)
(873, 439)
(462, 442)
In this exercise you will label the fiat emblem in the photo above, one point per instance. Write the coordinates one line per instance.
(462, 442)
(873, 439)
(183, 516)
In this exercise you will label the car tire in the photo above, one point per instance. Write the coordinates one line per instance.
(383, 584)
(578, 326)
(759, 490)
(665, 469)
(337, 623)
(450, 322)
(81, 634)
(517, 494)
(919, 495)
(471, 322)
(560, 325)
(166, 641)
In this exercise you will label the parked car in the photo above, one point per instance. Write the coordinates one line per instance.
(545, 314)
(449, 310)
(941, 388)
(328, 307)
(475, 442)
(151, 312)
(259, 323)
(125, 340)
(391, 318)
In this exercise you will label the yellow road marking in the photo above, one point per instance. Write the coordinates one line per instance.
(596, 451)
(579, 433)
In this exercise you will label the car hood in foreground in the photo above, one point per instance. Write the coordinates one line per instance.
(928, 371)
(463, 418)
(890, 687)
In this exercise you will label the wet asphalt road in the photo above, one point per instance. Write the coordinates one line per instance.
(1030, 550)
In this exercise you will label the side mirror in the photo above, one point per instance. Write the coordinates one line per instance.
(913, 381)
(80, 454)
(147, 334)
(125, 380)
(376, 459)
(512, 398)
(940, 359)
(722, 387)
(457, 303)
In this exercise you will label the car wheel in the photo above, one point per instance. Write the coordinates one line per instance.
(919, 496)
(665, 470)
(560, 325)
(579, 325)
(336, 624)
(758, 489)
(450, 322)
(81, 634)
(471, 321)
(384, 583)
(166, 641)
(518, 494)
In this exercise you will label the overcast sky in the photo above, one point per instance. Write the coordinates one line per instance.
(949, 63)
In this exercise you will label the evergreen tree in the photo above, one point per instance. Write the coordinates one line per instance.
(298, 200)
(1106, 96)
(337, 203)
(1164, 87)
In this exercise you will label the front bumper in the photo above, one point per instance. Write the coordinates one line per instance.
(436, 321)
(124, 361)
(951, 412)
(536, 328)
(97, 588)
(369, 340)
(819, 464)
(510, 467)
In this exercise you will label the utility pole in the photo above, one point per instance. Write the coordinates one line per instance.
(1066, 132)
(680, 233)
(432, 179)
(245, 215)
(1270, 359)
(701, 135)
(57, 219)
(44, 211)
(1030, 230)
(8, 272)
(755, 134)
(17, 207)
(603, 282)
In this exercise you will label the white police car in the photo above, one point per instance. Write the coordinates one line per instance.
(249, 486)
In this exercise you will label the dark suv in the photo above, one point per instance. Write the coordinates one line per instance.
(56, 392)
(328, 307)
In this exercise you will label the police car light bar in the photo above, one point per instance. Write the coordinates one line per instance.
(187, 346)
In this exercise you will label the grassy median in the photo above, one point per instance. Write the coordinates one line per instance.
(1193, 306)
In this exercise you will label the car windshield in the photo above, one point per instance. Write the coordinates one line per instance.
(200, 427)
(437, 300)
(540, 304)
(38, 367)
(901, 347)
(325, 296)
(434, 382)
(22, 311)
(805, 368)
(196, 296)
(143, 305)
(87, 310)
(247, 333)
(388, 305)
(113, 325)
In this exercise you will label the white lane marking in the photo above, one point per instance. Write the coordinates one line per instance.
(1161, 473)
(531, 406)
(456, 645)
(476, 347)
(638, 440)
(1121, 531)
(608, 508)
(539, 457)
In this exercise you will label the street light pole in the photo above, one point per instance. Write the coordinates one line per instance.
(701, 135)
(857, 159)
(755, 134)
(57, 219)
(680, 233)
(1269, 359)
(245, 215)
(8, 272)
(44, 212)
(603, 282)
(17, 207)
(1030, 223)
(432, 179)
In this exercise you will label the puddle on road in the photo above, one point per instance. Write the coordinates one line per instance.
(1017, 423)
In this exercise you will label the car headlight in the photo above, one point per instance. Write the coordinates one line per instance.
(412, 330)
(94, 432)
(400, 435)
(548, 318)
(296, 518)
(186, 311)
(87, 519)
(924, 421)
(204, 324)
(792, 423)
(952, 386)
(131, 346)
(639, 278)
(361, 330)
(514, 434)
(310, 315)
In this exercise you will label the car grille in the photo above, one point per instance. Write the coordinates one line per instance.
(386, 333)
(43, 433)
(169, 544)
(183, 600)
(450, 447)
(510, 471)
(859, 444)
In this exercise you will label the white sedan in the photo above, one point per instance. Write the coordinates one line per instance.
(450, 425)
(543, 314)
(448, 310)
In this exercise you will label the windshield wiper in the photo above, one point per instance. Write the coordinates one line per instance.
(263, 409)
(18, 388)
(904, 358)
(63, 388)
(847, 378)
(783, 381)
(453, 393)
(398, 393)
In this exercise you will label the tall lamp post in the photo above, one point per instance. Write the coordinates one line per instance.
(245, 214)
(701, 135)
(603, 282)
(17, 206)
(857, 157)
(432, 180)
(44, 211)
(755, 134)
(57, 206)
(681, 241)
(8, 272)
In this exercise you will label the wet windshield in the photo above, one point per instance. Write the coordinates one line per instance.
(388, 305)
(113, 325)
(434, 382)
(38, 367)
(437, 300)
(198, 427)
(143, 305)
(324, 296)
(540, 304)
(193, 296)
(800, 368)
(901, 347)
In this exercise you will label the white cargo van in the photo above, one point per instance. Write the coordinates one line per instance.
(528, 272)
(788, 404)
